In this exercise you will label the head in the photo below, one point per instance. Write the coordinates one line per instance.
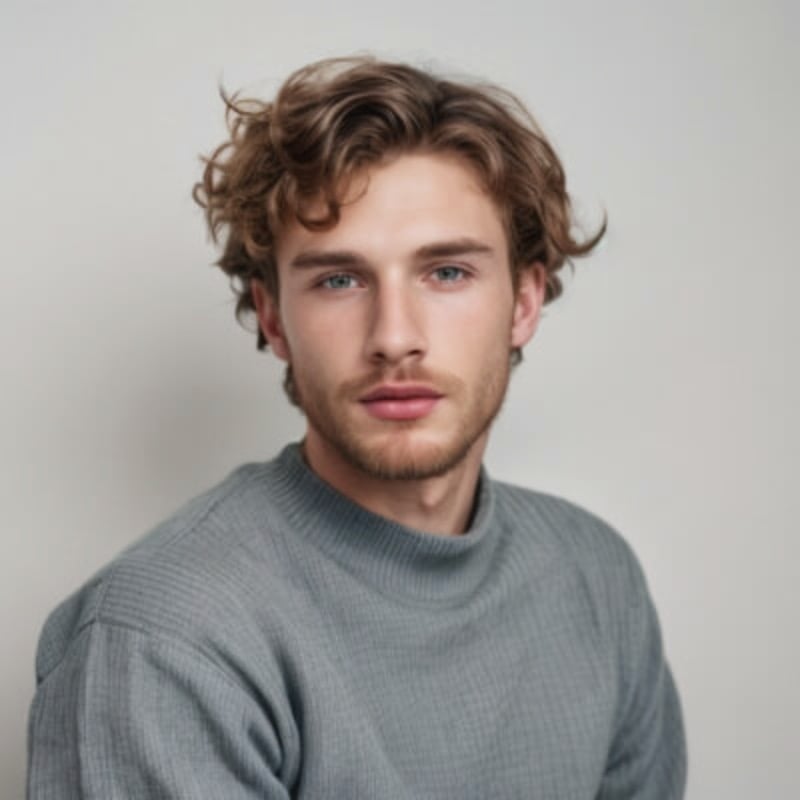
(315, 164)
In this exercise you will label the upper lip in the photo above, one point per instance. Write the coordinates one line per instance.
(399, 391)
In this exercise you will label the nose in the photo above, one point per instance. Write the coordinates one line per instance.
(395, 332)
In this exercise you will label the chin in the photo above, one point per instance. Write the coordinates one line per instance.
(405, 457)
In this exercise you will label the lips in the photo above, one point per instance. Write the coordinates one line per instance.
(400, 391)
(400, 401)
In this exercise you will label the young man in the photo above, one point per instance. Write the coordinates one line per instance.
(370, 615)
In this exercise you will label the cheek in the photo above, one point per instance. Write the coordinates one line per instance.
(319, 342)
(480, 325)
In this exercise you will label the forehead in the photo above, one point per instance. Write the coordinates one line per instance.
(395, 208)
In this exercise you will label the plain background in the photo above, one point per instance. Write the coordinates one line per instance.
(660, 390)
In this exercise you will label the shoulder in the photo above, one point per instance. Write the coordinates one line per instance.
(185, 579)
(567, 538)
(561, 524)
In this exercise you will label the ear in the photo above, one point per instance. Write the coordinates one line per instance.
(269, 319)
(531, 284)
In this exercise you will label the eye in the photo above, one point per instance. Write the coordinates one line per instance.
(450, 273)
(340, 280)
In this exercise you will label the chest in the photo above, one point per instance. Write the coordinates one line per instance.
(513, 699)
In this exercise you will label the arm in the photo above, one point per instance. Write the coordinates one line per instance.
(648, 755)
(129, 714)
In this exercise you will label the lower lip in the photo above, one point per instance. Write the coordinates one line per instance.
(401, 408)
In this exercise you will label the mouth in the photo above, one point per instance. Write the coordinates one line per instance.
(401, 401)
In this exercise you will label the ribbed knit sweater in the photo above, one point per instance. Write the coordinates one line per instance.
(275, 640)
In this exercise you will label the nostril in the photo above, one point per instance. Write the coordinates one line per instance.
(395, 344)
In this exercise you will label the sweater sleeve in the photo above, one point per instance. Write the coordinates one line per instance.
(648, 754)
(139, 715)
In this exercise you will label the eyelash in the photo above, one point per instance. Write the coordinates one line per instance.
(324, 283)
(462, 275)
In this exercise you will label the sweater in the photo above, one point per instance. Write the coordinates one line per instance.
(275, 640)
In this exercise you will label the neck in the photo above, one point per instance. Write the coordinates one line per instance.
(440, 505)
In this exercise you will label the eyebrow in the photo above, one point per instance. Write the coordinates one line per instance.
(348, 258)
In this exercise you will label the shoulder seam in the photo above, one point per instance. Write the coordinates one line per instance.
(178, 641)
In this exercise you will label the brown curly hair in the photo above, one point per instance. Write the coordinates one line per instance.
(334, 117)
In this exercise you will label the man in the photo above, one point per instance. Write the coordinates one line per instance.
(370, 615)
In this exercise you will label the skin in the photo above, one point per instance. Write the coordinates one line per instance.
(364, 307)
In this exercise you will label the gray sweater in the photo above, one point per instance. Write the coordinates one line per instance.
(275, 640)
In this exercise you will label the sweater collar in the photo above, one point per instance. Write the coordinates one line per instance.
(397, 560)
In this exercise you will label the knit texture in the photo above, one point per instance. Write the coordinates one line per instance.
(274, 640)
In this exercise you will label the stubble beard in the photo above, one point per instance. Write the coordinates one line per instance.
(402, 453)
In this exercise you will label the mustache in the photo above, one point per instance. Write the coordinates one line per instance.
(443, 382)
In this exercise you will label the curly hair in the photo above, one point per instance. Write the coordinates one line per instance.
(337, 116)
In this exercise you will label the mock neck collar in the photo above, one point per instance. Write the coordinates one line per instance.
(422, 567)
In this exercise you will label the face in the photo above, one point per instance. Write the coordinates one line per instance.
(398, 322)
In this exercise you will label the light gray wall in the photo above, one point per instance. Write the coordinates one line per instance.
(660, 392)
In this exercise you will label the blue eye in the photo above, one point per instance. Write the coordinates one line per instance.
(449, 273)
(339, 281)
